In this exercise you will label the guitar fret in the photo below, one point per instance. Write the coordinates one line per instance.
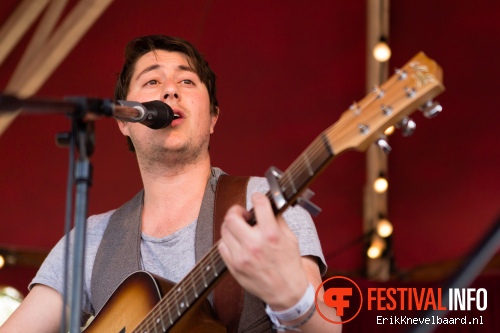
(204, 279)
(194, 288)
(177, 303)
(170, 317)
(156, 331)
(160, 320)
(214, 267)
(292, 183)
(305, 157)
(186, 298)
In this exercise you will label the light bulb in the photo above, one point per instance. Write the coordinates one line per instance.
(380, 185)
(374, 252)
(376, 248)
(384, 228)
(382, 51)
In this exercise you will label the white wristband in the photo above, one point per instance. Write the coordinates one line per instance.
(298, 310)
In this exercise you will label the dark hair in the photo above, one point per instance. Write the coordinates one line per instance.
(138, 47)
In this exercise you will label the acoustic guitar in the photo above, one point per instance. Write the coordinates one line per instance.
(147, 304)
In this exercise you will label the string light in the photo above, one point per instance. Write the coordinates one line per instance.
(380, 184)
(382, 51)
(376, 248)
(384, 228)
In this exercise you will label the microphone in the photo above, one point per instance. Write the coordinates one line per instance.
(153, 114)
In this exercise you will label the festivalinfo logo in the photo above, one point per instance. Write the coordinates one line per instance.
(346, 297)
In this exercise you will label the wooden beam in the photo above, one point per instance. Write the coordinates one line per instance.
(374, 203)
(57, 48)
(17, 24)
(42, 33)
(33, 75)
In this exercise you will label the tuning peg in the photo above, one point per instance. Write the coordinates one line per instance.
(386, 110)
(355, 108)
(401, 73)
(431, 109)
(379, 93)
(384, 145)
(410, 92)
(407, 126)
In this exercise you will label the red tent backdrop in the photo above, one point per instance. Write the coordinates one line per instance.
(286, 70)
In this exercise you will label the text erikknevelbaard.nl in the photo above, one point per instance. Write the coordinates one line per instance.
(432, 320)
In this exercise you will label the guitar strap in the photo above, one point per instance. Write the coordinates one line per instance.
(228, 294)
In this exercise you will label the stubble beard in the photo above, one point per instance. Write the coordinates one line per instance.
(158, 159)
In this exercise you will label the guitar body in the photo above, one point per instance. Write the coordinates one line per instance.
(136, 296)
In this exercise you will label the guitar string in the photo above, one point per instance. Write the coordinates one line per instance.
(219, 265)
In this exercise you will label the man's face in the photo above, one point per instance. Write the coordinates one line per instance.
(167, 76)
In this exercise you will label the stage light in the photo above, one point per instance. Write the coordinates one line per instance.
(382, 51)
(384, 228)
(380, 184)
(2, 261)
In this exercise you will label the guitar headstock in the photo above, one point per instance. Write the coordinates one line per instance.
(410, 87)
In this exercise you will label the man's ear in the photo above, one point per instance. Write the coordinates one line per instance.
(122, 125)
(214, 119)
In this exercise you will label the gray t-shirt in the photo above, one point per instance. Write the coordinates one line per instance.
(170, 257)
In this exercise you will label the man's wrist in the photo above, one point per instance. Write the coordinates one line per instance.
(303, 306)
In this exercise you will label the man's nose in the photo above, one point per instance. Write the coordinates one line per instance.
(167, 95)
(170, 91)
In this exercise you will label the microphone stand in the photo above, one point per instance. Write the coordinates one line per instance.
(83, 132)
(82, 137)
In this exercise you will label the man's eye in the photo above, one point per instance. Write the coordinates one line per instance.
(151, 82)
(187, 81)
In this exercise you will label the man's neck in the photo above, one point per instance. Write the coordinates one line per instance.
(172, 198)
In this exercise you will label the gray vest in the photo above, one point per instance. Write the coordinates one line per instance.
(118, 255)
